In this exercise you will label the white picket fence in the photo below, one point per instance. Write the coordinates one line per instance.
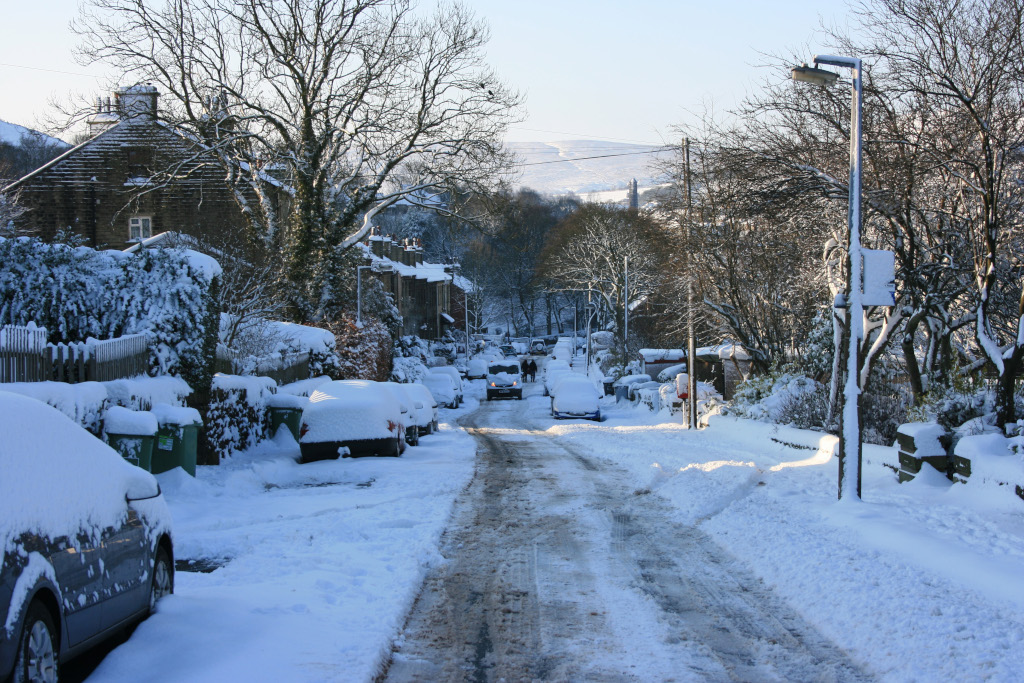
(26, 357)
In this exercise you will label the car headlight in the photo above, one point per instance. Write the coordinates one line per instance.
(493, 384)
(514, 383)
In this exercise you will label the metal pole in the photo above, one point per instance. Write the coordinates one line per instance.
(850, 442)
(359, 294)
(625, 309)
(691, 340)
(850, 449)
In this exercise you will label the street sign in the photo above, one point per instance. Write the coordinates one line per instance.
(879, 284)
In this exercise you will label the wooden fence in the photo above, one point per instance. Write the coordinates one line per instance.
(26, 357)
(282, 369)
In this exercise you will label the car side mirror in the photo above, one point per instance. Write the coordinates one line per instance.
(133, 496)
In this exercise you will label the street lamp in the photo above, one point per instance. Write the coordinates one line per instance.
(359, 293)
(850, 417)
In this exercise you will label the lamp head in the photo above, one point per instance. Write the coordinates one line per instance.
(812, 74)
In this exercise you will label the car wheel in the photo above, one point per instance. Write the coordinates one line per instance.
(37, 659)
(416, 438)
(163, 578)
(434, 426)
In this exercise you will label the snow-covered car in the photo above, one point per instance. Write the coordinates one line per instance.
(538, 348)
(456, 381)
(442, 388)
(406, 406)
(476, 368)
(563, 351)
(424, 408)
(351, 417)
(552, 371)
(622, 385)
(86, 541)
(575, 396)
(508, 351)
(504, 380)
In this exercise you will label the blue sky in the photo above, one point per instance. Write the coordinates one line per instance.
(590, 69)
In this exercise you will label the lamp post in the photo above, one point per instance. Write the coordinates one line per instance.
(359, 294)
(850, 416)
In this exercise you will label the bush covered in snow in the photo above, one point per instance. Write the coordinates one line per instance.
(406, 370)
(363, 352)
(236, 419)
(77, 293)
(84, 402)
(782, 396)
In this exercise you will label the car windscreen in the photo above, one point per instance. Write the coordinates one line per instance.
(511, 369)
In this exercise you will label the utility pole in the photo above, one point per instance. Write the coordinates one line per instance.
(691, 341)
(625, 309)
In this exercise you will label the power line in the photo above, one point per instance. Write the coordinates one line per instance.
(601, 156)
(582, 135)
(52, 71)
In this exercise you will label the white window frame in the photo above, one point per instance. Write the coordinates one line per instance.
(140, 228)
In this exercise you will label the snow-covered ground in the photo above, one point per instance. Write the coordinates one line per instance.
(322, 562)
(317, 564)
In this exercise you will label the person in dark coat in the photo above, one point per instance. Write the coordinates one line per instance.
(533, 370)
(525, 368)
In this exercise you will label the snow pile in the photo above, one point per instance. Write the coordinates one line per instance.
(995, 459)
(347, 410)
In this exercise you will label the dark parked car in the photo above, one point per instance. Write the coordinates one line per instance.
(351, 417)
(86, 541)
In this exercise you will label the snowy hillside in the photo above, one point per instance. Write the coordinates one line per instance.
(585, 166)
(11, 134)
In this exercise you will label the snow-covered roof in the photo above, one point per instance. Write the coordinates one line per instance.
(431, 272)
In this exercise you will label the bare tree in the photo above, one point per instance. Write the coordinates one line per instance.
(354, 103)
(596, 249)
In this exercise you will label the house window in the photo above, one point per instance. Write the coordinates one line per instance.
(140, 228)
(139, 161)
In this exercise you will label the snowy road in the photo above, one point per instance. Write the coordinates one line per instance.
(558, 569)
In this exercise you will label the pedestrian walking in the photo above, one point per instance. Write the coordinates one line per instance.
(525, 365)
(533, 370)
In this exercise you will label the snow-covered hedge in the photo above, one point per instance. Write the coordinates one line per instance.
(84, 403)
(236, 419)
(77, 293)
(408, 370)
(142, 393)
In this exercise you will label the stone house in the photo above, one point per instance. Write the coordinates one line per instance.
(427, 294)
(134, 178)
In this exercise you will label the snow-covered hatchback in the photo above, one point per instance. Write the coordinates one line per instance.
(86, 540)
(574, 396)
(350, 417)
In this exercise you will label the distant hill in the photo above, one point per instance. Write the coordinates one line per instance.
(12, 134)
(23, 150)
(585, 166)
